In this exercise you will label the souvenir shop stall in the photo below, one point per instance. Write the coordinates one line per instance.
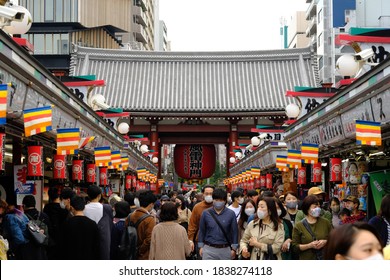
(49, 136)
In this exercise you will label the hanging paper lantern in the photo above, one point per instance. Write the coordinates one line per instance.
(103, 176)
(2, 152)
(128, 180)
(59, 167)
(77, 169)
(91, 173)
(335, 170)
(34, 162)
(268, 181)
(194, 161)
(316, 173)
(263, 181)
(302, 176)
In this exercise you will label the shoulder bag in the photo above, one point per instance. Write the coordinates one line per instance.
(221, 227)
(318, 253)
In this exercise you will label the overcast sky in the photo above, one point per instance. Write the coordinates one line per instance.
(226, 25)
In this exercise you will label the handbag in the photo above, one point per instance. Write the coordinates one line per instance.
(35, 232)
(319, 255)
(269, 255)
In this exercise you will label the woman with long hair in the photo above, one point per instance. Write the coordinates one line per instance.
(265, 234)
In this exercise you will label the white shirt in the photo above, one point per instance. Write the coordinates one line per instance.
(94, 211)
(237, 211)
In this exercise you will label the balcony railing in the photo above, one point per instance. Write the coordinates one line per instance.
(140, 33)
(140, 15)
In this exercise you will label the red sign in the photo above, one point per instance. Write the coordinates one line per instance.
(77, 170)
(263, 181)
(302, 176)
(268, 181)
(194, 161)
(128, 182)
(90, 175)
(103, 176)
(2, 152)
(316, 173)
(59, 167)
(34, 162)
(335, 170)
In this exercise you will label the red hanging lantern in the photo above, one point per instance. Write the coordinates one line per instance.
(335, 170)
(59, 167)
(77, 169)
(194, 161)
(263, 181)
(2, 152)
(103, 176)
(316, 173)
(91, 173)
(128, 181)
(34, 162)
(302, 176)
(268, 181)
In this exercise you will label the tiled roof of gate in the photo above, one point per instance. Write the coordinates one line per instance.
(145, 81)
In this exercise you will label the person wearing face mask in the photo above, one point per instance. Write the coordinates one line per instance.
(352, 204)
(237, 200)
(320, 194)
(358, 241)
(335, 209)
(248, 208)
(288, 227)
(218, 230)
(291, 202)
(193, 226)
(266, 229)
(307, 246)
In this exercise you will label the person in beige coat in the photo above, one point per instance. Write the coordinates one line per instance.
(265, 229)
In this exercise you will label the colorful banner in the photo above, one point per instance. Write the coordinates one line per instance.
(294, 159)
(68, 141)
(59, 167)
(116, 159)
(368, 133)
(37, 120)
(34, 162)
(102, 156)
(85, 140)
(125, 162)
(309, 153)
(3, 103)
(281, 163)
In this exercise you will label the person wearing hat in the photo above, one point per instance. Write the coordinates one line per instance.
(352, 204)
(320, 194)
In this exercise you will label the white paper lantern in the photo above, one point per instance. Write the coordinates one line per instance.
(238, 155)
(292, 111)
(20, 27)
(123, 128)
(144, 148)
(155, 159)
(255, 141)
(347, 66)
(232, 160)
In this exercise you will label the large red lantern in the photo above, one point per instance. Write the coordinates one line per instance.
(302, 176)
(59, 167)
(34, 162)
(77, 170)
(103, 176)
(316, 173)
(335, 170)
(194, 161)
(90, 174)
(268, 181)
(128, 181)
(2, 152)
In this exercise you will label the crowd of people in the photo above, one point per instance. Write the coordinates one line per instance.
(207, 225)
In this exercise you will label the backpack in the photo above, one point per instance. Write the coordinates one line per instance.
(35, 225)
(127, 248)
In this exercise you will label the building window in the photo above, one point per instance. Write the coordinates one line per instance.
(319, 16)
(319, 41)
(320, 62)
(49, 10)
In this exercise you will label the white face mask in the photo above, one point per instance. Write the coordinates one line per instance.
(229, 200)
(249, 211)
(208, 198)
(62, 204)
(261, 214)
(136, 202)
(241, 200)
(376, 257)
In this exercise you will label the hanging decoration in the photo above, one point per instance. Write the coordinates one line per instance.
(59, 167)
(34, 162)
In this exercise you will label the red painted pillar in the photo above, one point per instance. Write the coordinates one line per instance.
(233, 141)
